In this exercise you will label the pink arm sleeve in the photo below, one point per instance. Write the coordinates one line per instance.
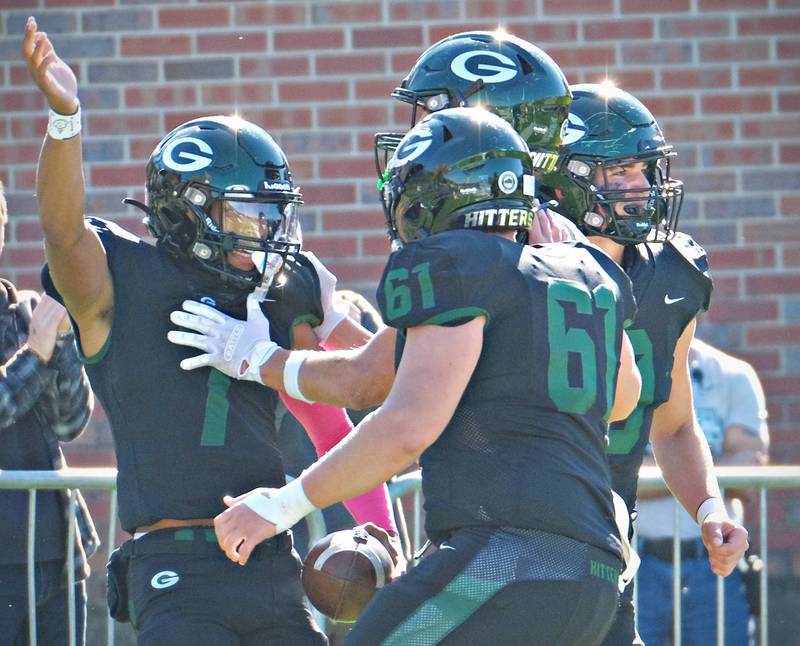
(326, 426)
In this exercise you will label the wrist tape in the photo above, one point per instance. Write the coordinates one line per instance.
(710, 506)
(285, 508)
(260, 354)
(291, 375)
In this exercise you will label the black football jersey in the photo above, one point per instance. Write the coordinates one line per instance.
(526, 445)
(184, 439)
(671, 285)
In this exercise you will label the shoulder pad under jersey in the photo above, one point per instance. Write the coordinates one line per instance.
(691, 252)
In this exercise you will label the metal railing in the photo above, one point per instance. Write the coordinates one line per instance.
(650, 479)
(85, 479)
(104, 479)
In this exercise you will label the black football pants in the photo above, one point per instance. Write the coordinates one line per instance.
(183, 591)
(497, 586)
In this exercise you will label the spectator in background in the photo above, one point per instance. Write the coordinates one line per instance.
(44, 398)
(729, 404)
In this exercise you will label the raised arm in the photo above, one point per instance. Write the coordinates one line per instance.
(74, 252)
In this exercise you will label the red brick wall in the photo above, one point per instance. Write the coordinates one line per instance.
(722, 76)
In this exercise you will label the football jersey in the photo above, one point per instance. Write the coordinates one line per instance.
(526, 445)
(671, 285)
(184, 439)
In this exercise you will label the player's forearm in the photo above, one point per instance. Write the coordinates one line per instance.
(326, 426)
(60, 192)
(355, 379)
(687, 466)
(371, 455)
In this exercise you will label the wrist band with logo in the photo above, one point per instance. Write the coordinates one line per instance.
(63, 126)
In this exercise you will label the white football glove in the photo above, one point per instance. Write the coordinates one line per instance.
(236, 348)
(334, 310)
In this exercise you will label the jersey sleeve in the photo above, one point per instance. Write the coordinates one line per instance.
(695, 257)
(432, 282)
(109, 234)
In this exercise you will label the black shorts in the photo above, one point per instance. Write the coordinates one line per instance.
(497, 586)
(184, 591)
(623, 630)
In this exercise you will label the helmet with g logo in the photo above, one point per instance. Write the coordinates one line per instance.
(502, 73)
(221, 184)
(608, 129)
(460, 168)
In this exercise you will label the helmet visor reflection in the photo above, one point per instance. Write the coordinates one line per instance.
(259, 220)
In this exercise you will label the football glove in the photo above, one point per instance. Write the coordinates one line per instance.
(235, 348)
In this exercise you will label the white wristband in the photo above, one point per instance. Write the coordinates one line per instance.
(291, 375)
(260, 354)
(285, 508)
(63, 126)
(710, 506)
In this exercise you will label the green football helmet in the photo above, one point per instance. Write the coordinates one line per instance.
(221, 184)
(459, 168)
(504, 74)
(608, 128)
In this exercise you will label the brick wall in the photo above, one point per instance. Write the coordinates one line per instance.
(722, 76)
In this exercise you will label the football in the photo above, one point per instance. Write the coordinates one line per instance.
(342, 572)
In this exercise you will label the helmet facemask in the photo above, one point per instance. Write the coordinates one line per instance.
(609, 131)
(259, 230)
(628, 215)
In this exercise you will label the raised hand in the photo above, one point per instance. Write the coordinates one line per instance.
(236, 348)
(51, 74)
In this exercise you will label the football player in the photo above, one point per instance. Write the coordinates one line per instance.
(510, 360)
(614, 182)
(509, 76)
(504, 74)
(219, 194)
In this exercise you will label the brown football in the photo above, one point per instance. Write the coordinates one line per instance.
(342, 572)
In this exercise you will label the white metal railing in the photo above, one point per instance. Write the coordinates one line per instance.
(104, 479)
(756, 478)
(86, 479)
